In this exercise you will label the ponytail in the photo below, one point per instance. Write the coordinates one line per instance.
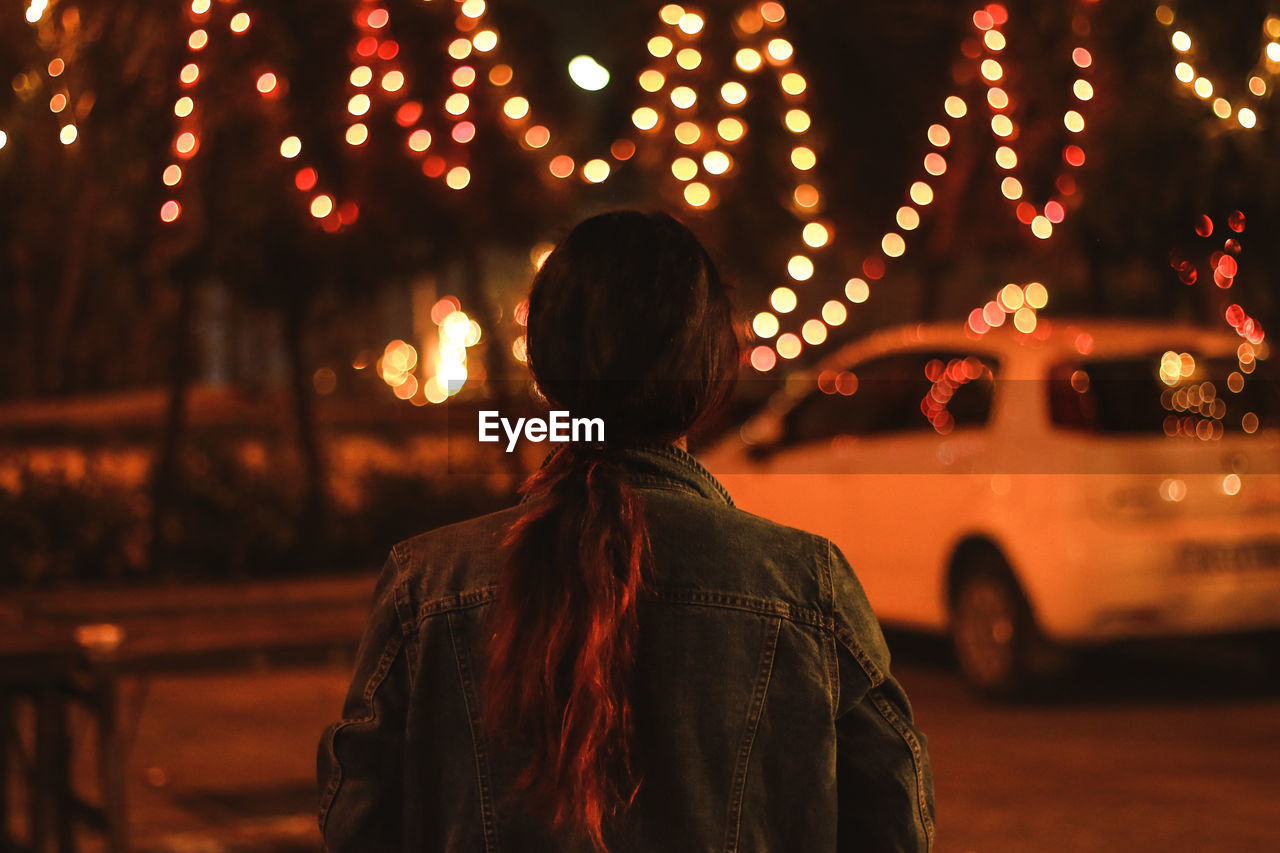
(563, 641)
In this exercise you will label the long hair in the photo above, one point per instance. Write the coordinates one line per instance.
(629, 322)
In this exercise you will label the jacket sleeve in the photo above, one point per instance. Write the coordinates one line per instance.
(360, 764)
(883, 776)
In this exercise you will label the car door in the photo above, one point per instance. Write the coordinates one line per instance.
(876, 455)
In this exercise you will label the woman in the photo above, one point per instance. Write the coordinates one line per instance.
(624, 661)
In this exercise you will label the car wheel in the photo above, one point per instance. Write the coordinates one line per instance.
(993, 632)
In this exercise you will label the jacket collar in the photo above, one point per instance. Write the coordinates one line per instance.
(666, 465)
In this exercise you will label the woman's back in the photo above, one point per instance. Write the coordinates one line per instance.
(764, 717)
(624, 662)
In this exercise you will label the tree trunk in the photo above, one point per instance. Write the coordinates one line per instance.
(165, 476)
(310, 528)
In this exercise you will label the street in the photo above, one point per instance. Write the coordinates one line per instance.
(1169, 750)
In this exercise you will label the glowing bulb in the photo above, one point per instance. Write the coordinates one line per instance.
(730, 129)
(908, 218)
(716, 162)
(733, 93)
(893, 245)
(687, 133)
(779, 50)
(800, 268)
(684, 168)
(921, 193)
(172, 175)
(290, 147)
(588, 74)
(683, 97)
(595, 171)
(765, 325)
(803, 158)
(748, 59)
(393, 81)
(240, 22)
(690, 24)
(361, 76)
(783, 300)
(1036, 295)
(456, 104)
(357, 134)
(1041, 227)
(1011, 187)
(696, 194)
(815, 235)
(183, 107)
(660, 46)
(485, 41)
(170, 210)
(651, 80)
(420, 140)
(1203, 87)
(688, 59)
(789, 345)
(814, 331)
(856, 290)
(1181, 41)
(834, 313)
(458, 177)
(955, 106)
(792, 83)
(645, 118)
(797, 121)
(68, 134)
(358, 105)
(516, 108)
(321, 206)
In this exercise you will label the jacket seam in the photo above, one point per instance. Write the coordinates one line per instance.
(917, 761)
(389, 655)
(768, 650)
(729, 601)
(831, 662)
(459, 601)
(487, 815)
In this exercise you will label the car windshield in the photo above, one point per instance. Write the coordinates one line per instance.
(1177, 393)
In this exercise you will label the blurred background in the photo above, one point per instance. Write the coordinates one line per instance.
(1005, 275)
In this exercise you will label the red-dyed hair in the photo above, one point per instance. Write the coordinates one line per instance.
(628, 322)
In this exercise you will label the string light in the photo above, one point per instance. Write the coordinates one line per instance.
(1203, 86)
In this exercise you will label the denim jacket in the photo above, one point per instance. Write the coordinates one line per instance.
(766, 719)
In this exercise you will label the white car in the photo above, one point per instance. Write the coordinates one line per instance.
(1092, 481)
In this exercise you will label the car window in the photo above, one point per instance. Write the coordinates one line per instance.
(1175, 393)
(924, 390)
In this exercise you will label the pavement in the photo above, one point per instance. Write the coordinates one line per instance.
(224, 692)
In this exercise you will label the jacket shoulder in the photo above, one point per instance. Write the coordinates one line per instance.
(456, 562)
(718, 548)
